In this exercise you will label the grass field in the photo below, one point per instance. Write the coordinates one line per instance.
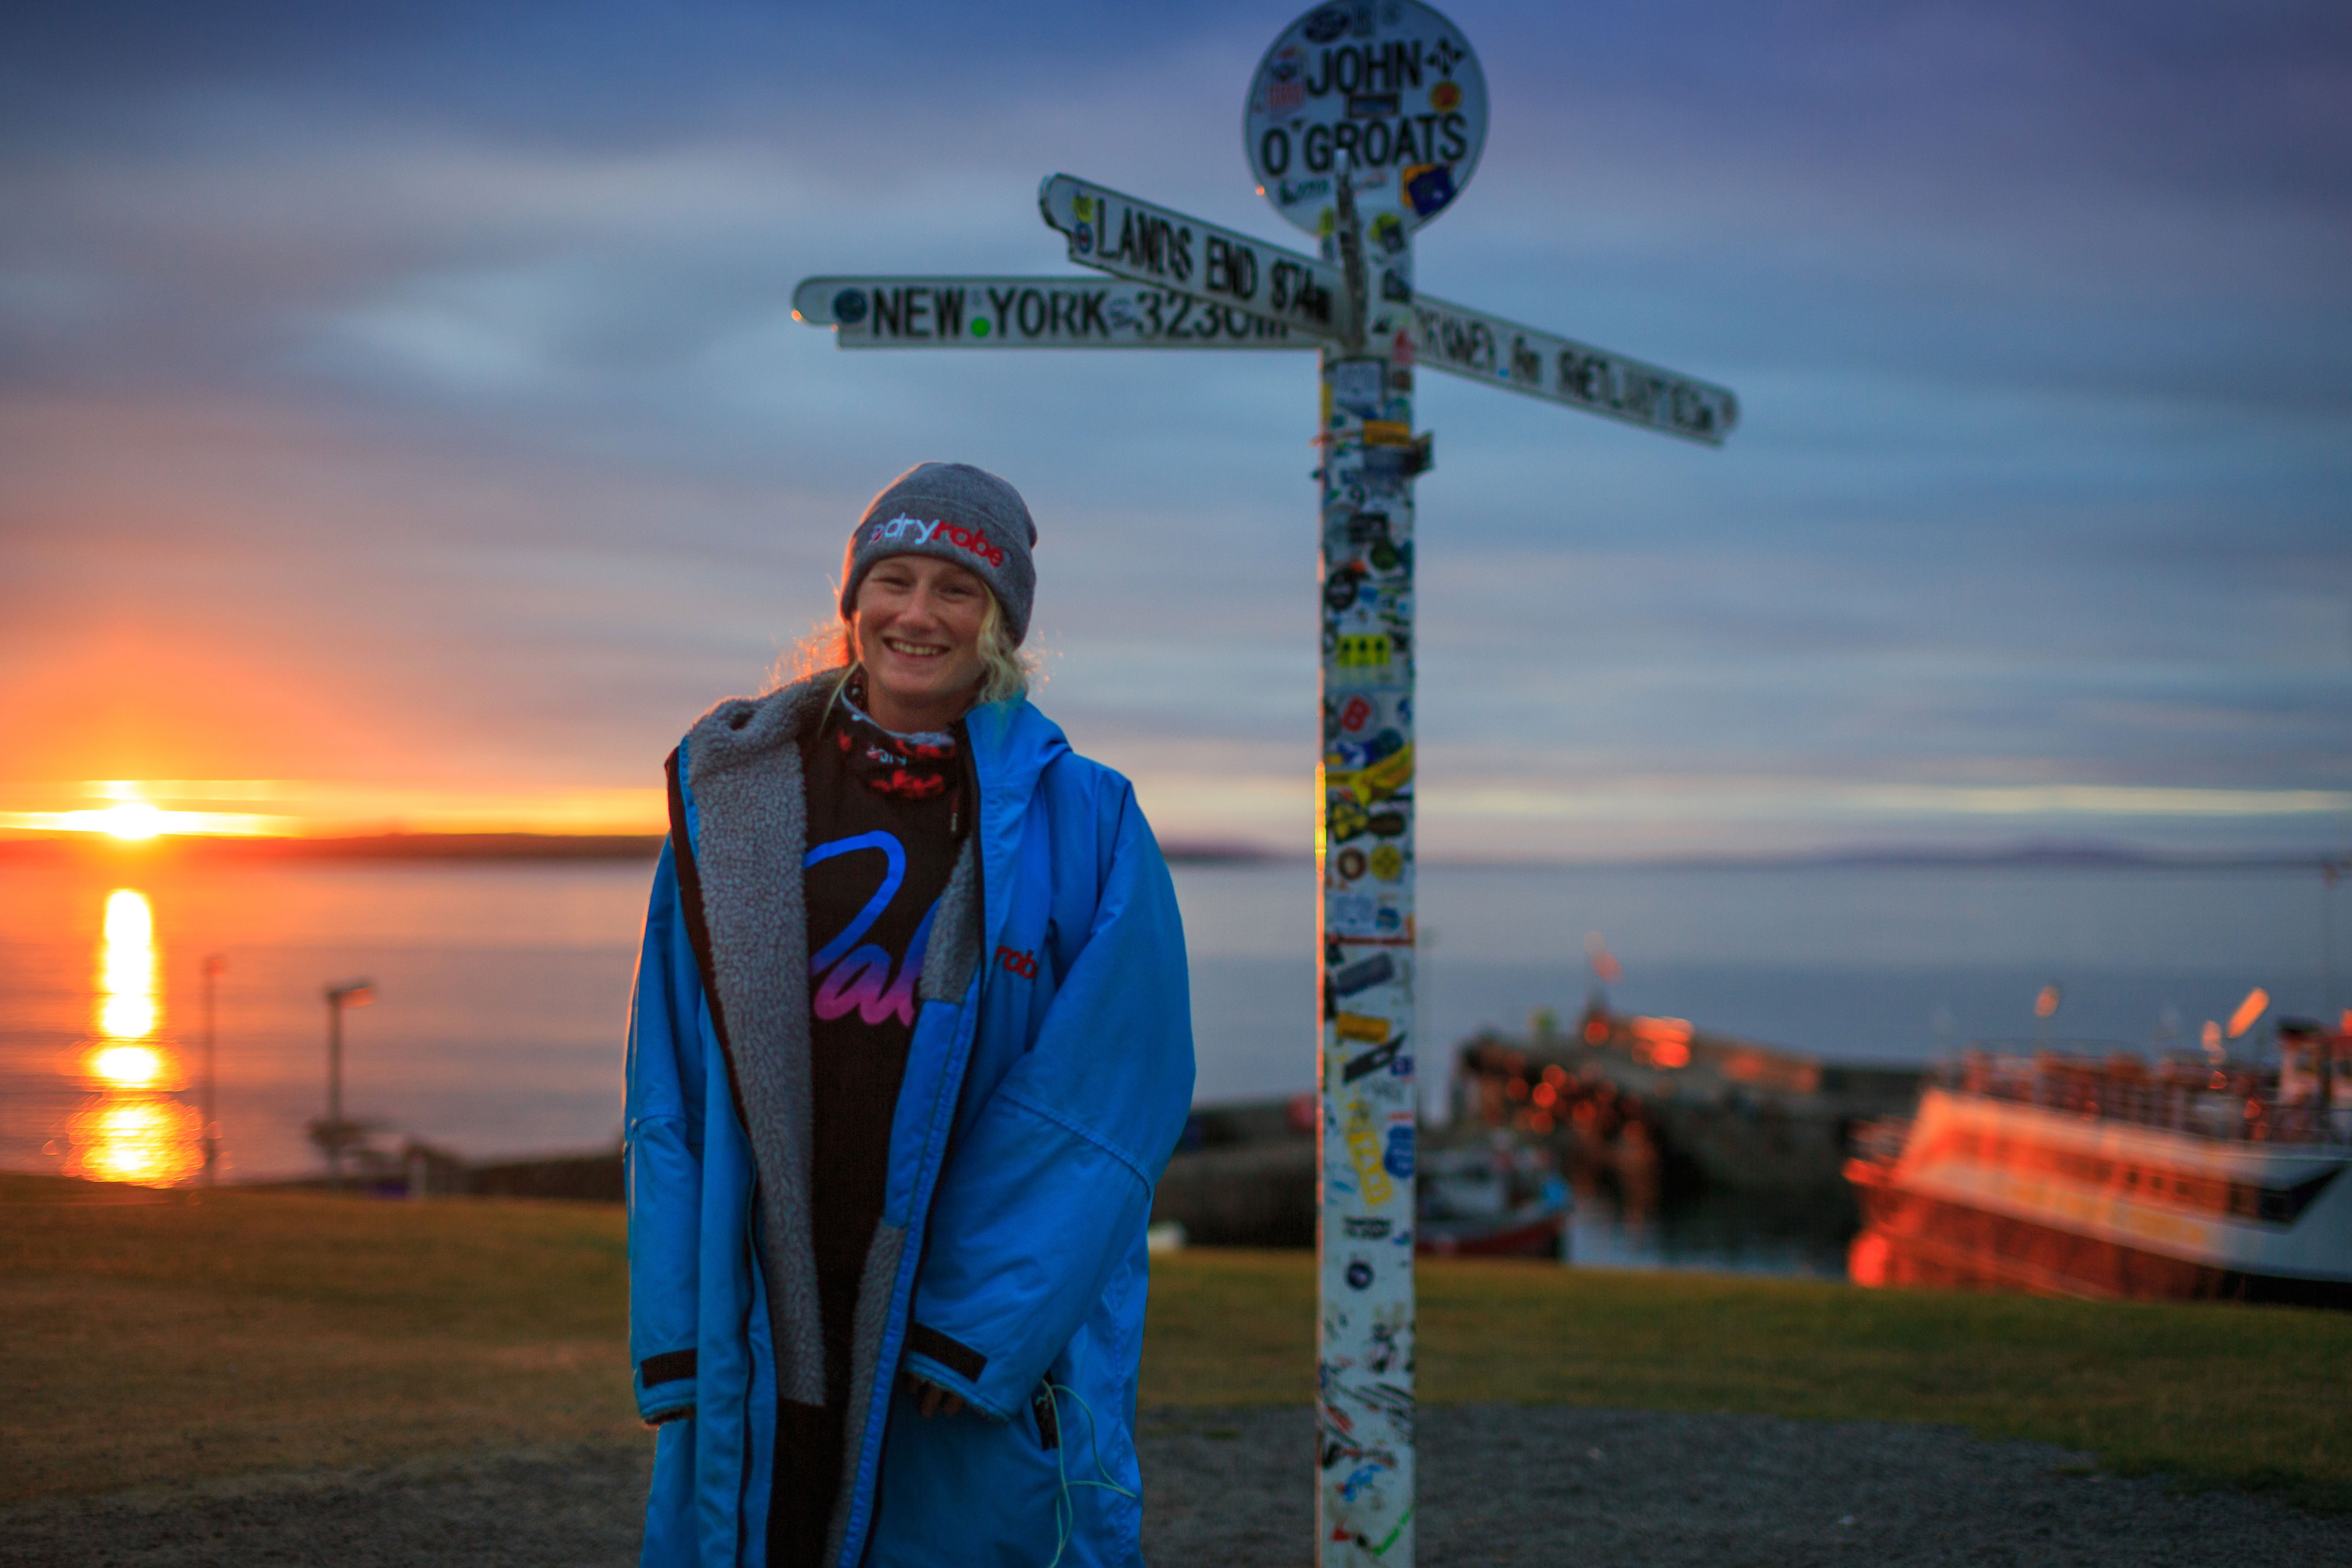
(155, 1336)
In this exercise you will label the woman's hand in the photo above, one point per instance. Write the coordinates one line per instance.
(932, 1399)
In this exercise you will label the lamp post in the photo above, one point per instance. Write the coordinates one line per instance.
(351, 993)
(2330, 872)
(213, 963)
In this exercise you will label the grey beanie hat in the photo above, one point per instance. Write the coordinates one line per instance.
(958, 513)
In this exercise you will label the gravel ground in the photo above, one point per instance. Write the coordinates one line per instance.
(1500, 1484)
(1516, 1485)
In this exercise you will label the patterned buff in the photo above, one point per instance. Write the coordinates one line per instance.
(911, 767)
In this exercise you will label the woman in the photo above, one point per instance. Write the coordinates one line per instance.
(910, 1045)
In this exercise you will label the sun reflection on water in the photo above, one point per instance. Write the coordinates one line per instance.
(132, 1130)
(126, 968)
(127, 1066)
(148, 1139)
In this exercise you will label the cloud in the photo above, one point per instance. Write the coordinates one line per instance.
(411, 396)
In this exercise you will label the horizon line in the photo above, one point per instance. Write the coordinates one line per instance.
(425, 845)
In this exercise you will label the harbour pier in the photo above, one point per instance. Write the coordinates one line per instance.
(1642, 1095)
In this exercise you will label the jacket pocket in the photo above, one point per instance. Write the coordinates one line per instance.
(1049, 1424)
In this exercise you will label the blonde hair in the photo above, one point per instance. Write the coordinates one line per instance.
(1005, 672)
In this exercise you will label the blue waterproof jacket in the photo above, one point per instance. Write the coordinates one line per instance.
(1048, 1079)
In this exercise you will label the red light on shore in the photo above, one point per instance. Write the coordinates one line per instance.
(1661, 1042)
(2257, 1003)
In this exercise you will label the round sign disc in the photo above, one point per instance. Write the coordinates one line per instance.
(1390, 82)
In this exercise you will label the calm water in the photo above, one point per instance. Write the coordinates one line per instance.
(503, 990)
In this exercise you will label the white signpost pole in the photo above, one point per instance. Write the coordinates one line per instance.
(1363, 858)
(1364, 121)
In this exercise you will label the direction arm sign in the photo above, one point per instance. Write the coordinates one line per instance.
(928, 312)
(1149, 244)
(1543, 364)
(1182, 255)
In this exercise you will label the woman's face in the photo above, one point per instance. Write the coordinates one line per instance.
(917, 625)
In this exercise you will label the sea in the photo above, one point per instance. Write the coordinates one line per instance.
(500, 989)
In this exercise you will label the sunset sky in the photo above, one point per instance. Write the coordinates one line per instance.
(402, 419)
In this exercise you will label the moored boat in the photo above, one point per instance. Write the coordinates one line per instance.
(1495, 1196)
(2106, 1177)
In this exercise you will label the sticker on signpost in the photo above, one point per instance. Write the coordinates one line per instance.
(1390, 83)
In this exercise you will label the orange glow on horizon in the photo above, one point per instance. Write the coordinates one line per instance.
(134, 817)
(137, 823)
(136, 811)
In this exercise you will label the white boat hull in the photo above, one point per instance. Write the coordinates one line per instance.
(1990, 1190)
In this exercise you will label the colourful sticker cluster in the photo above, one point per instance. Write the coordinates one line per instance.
(1365, 1479)
(1388, 86)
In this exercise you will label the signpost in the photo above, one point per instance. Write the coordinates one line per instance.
(1391, 88)
(1363, 122)
(1542, 365)
(1029, 313)
(1153, 245)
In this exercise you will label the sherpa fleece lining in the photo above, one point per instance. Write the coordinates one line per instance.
(743, 765)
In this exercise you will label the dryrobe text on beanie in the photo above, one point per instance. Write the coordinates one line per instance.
(958, 513)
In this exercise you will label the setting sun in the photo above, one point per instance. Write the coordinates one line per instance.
(128, 821)
(137, 810)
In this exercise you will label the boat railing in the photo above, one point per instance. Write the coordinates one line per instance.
(2228, 1101)
(1879, 1141)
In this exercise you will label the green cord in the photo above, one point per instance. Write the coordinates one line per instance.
(1065, 1513)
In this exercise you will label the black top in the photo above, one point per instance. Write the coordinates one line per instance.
(878, 863)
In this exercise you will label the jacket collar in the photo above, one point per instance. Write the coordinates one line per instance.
(1011, 745)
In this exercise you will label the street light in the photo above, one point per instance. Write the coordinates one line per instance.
(351, 993)
(213, 963)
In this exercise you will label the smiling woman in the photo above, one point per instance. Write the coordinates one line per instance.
(925, 636)
(896, 921)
